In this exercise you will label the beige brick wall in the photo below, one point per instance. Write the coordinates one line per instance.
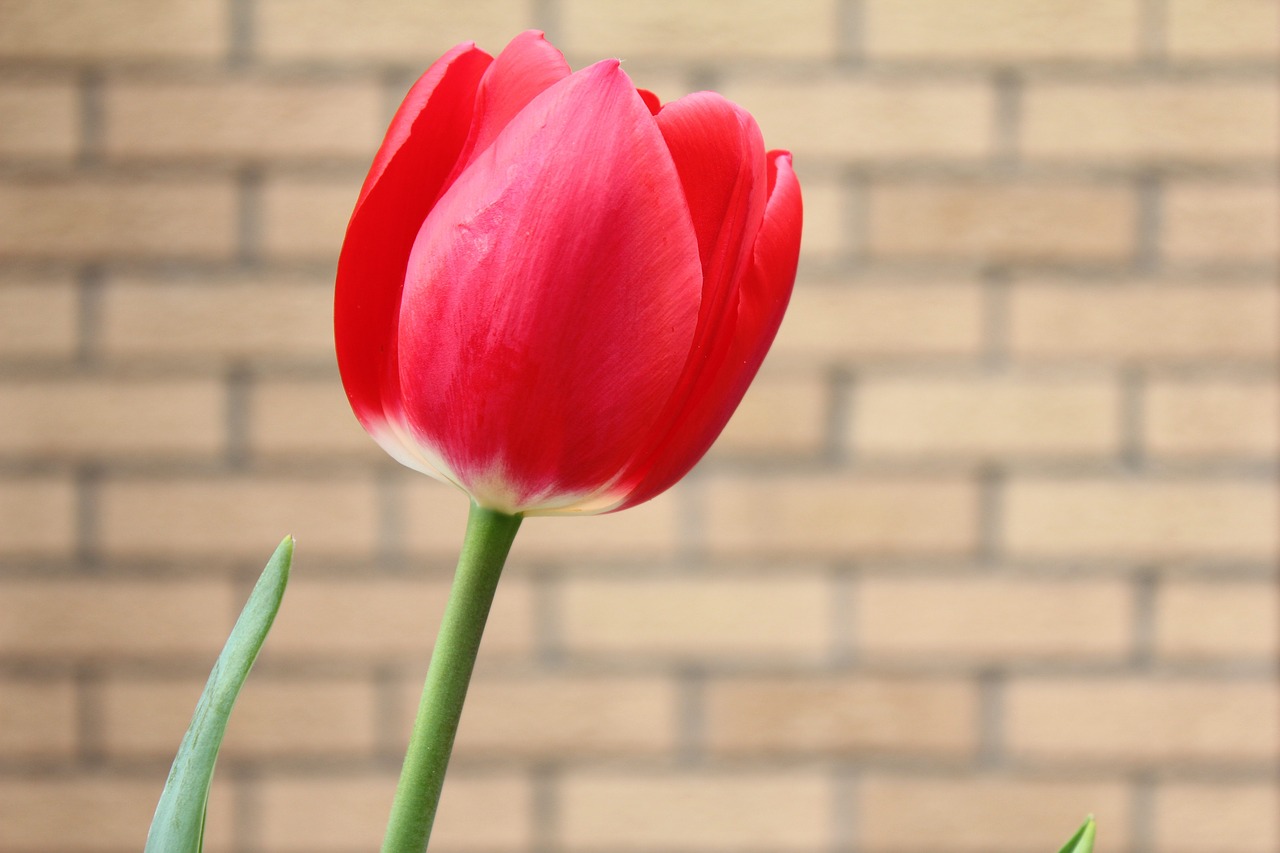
(991, 544)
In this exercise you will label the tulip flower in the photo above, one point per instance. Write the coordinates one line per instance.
(553, 293)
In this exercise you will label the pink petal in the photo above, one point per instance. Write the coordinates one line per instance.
(760, 303)
(552, 298)
(719, 153)
(408, 173)
(650, 100)
(525, 68)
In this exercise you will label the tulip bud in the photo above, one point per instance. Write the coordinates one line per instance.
(554, 291)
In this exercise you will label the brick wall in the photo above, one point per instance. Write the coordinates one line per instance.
(991, 544)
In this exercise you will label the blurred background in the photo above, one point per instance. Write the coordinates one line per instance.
(990, 545)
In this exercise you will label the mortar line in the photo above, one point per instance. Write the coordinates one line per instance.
(1153, 32)
(996, 328)
(544, 780)
(845, 818)
(88, 484)
(249, 216)
(1007, 120)
(991, 688)
(841, 417)
(1143, 802)
(991, 482)
(92, 117)
(548, 642)
(691, 716)
(850, 24)
(239, 382)
(240, 33)
(546, 17)
(391, 546)
(1150, 192)
(89, 288)
(1146, 587)
(1132, 397)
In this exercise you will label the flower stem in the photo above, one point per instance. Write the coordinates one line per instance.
(484, 551)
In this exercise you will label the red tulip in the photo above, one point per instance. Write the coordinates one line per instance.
(554, 291)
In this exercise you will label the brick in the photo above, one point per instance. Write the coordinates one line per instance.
(87, 618)
(1226, 817)
(782, 414)
(826, 226)
(403, 31)
(222, 317)
(882, 320)
(1213, 723)
(239, 516)
(379, 618)
(1125, 519)
(91, 218)
(826, 717)
(985, 416)
(128, 30)
(1141, 322)
(994, 619)
(1222, 29)
(38, 719)
(39, 316)
(1206, 620)
(547, 718)
(39, 120)
(92, 814)
(1150, 122)
(984, 814)
(293, 417)
(697, 618)
(824, 514)
(241, 119)
(1188, 418)
(307, 219)
(436, 517)
(746, 810)
(97, 417)
(1015, 222)
(1001, 30)
(861, 120)
(272, 717)
(649, 530)
(719, 29)
(484, 812)
(1221, 223)
(37, 516)
(667, 81)
(330, 813)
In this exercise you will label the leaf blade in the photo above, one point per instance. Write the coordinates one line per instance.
(1082, 841)
(178, 825)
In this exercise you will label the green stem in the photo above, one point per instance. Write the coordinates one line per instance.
(484, 550)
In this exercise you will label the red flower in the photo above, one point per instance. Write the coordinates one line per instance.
(553, 291)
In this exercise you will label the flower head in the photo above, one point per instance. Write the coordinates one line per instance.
(554, 290)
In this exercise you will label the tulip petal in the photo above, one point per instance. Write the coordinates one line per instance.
(409, 172)
(718, 151)
(524, 69)
(650, 100)
(760, 303)
(551, 300)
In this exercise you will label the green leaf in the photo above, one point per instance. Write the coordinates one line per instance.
(178, 826)
(1082, 841)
